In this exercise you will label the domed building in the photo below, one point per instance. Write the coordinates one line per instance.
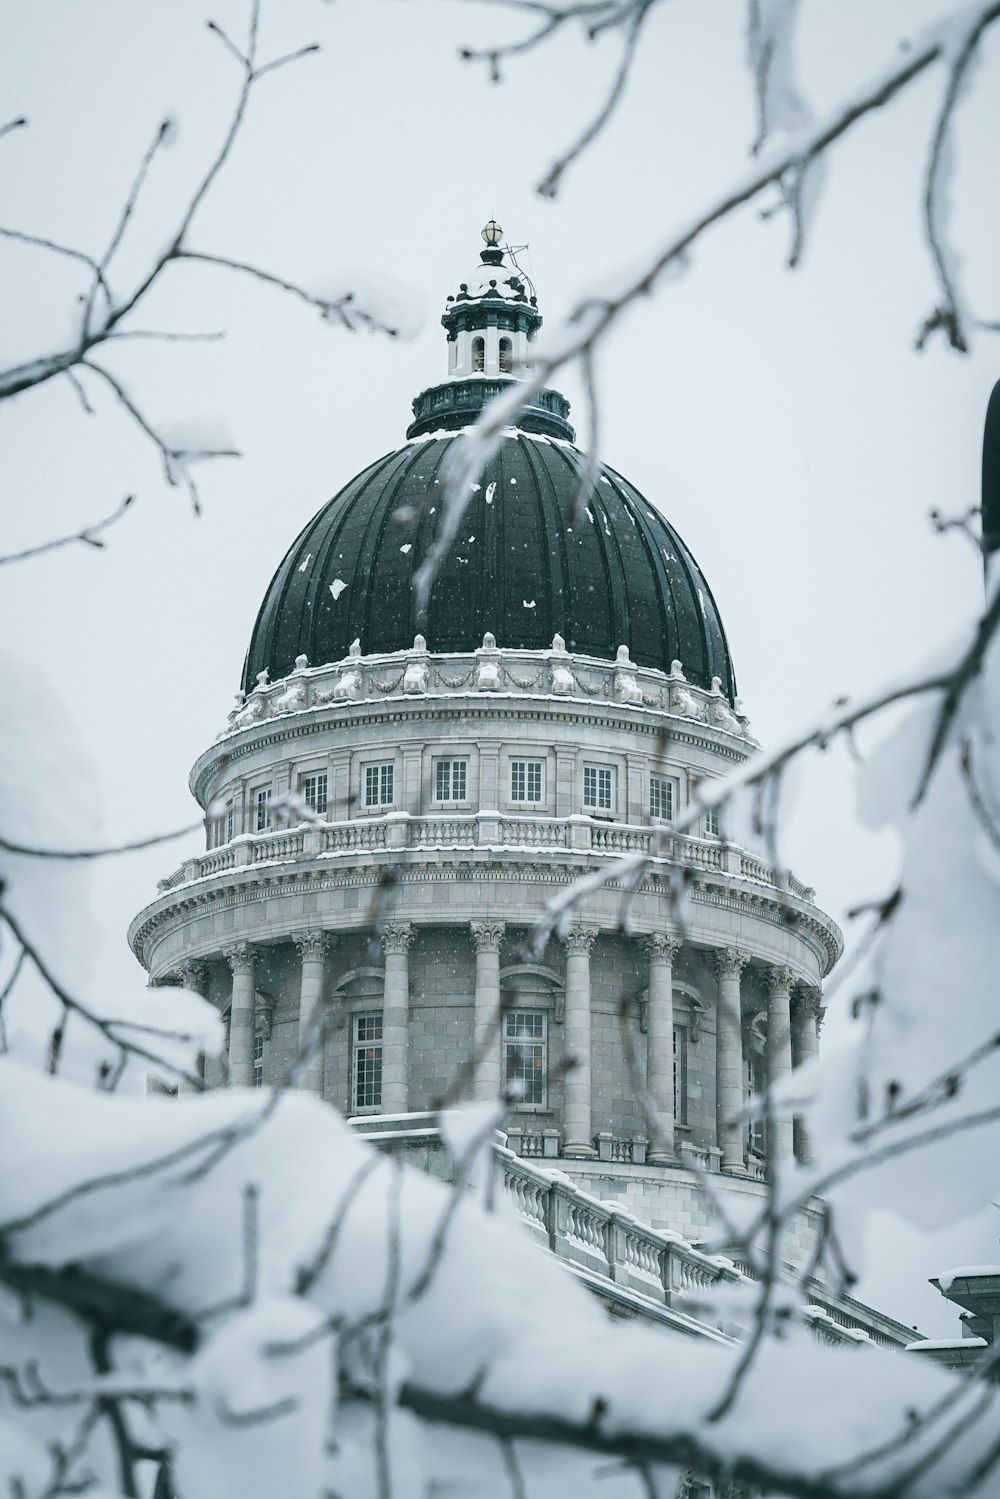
(396, 799)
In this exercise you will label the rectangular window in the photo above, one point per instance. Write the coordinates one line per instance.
(662, 798)
(366, 1087)
(380, 785)
(712, 823)
(526, 780)
(599, 787)
(450, 780)
(525, 1046)
(223, 827)
(680, 1075)
(258, 1061)
(755, 1127)
(313, 790)
(262, 800)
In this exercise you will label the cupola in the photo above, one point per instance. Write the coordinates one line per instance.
(491, 322)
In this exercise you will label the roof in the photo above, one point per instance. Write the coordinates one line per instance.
(520, 569)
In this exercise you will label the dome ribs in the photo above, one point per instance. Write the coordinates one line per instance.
(621, 576)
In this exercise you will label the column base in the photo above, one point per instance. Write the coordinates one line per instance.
(661, 1158)
(579, 1152)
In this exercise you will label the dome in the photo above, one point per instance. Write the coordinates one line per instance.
(620, 576)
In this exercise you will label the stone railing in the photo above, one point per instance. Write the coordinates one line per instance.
(609, 1246)
(400, 830)
(553, 673)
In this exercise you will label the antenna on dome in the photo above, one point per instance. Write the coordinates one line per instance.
(514, 251)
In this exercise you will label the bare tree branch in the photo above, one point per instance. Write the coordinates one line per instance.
(89, 535)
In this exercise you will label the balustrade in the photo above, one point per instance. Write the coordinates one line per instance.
(471, 830)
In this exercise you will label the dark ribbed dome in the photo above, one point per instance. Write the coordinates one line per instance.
(620, 576)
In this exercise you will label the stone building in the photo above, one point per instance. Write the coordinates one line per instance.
(394, 801)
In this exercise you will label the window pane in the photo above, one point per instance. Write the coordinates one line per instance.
(386, 784)
(589, 786)
(442, 787)
(258, 1061)
(526, 1053)
(534, 780)
(458, 780)
(314, 792)
(367, 1090)
(517, 780)
(263, 809)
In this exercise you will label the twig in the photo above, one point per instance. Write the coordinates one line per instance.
(89, 535)
(107, 851)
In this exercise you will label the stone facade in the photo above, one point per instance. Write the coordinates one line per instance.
(402, 916)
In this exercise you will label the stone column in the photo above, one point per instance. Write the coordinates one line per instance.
(487, 935)
(779, 1055)
(241, 1015)
(661, 951)
(194, 975)
(312, 947)
(396, 939)
(805, 1045)
(576, 1088)
(729, 1080)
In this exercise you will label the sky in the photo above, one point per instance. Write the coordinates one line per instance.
(781, 420)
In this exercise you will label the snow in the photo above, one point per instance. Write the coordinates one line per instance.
(406, 547)
(965, 1272)
(337, 587)
(305, 562)
(946, 1343)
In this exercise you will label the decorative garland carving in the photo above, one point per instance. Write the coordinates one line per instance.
(453, 683)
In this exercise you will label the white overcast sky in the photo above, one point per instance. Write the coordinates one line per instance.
(780, 420)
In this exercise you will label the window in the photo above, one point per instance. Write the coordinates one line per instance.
(526, 780)
(262, 801)
(313, 790)
(663, 798)
(450, 780)
(506, 356)
(525, 1059)
(258, 1061)
(680, 1075)
(223, 827)
(366, 1088)
(478, 355)
(380, 785)
(755, 1127)
(712, 823)
(599, 787)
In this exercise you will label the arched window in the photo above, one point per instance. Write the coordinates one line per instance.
(506, 356)
(478, 355)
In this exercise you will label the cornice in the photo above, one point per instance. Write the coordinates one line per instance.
(232, 889)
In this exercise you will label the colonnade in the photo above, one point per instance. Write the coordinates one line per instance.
(792, 1009)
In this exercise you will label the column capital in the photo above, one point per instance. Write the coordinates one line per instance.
(311, 945)
(194, 974)
(661, 948)
(487, 935)
(580, 939)
(730, 962)
(781, 980)
(240, 957)
(397, 936)
(809, 1000)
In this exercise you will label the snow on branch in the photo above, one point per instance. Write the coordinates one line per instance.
(104, 312)
(791, 164)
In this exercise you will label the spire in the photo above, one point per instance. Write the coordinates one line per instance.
(491, 322)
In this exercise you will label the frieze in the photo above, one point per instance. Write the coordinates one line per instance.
(260, 884)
